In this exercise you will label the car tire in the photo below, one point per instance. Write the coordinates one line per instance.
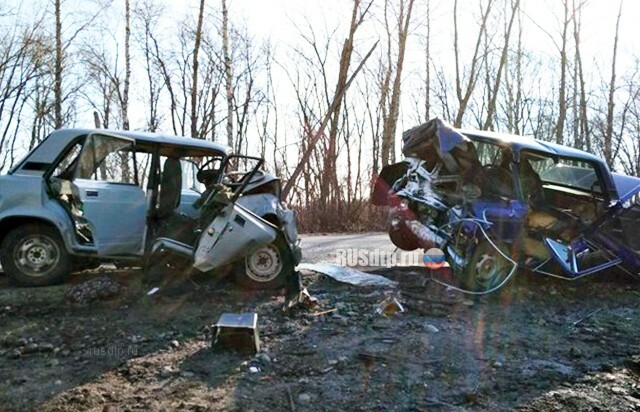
(35, 255)
(486, 269)
(268, 267)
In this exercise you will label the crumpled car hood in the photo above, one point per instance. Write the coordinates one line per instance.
(426, 135)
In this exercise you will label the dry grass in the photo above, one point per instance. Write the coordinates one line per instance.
(356, 216)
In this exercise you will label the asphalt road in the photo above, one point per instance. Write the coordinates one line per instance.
(323, 248)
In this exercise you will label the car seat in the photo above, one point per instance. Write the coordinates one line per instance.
(170, 187)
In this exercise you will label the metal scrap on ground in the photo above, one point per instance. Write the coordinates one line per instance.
(237, 331)
(389, 306)
(347, 275)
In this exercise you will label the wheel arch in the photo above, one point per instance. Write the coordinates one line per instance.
(12, 222)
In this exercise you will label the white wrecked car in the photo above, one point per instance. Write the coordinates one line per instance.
(83, 197)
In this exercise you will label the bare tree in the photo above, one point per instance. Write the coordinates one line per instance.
(390, 121)
(427, 65)
(488, 124)
(463, 95)
(562, 87)
(514, 107)
(194, 82)
(608, 134)
(314, 137)
(329, 189)
(584, 139)
(57, 85)
(146, 16)
(127, 67)
(24, 61)
(228, 71)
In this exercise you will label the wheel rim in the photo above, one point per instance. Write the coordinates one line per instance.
(36, 255)
(264, 265)
(489, 271)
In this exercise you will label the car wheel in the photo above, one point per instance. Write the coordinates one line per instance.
(35, 255)
(487, 268)
(267, 267)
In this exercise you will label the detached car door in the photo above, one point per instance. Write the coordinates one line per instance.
(112, 201)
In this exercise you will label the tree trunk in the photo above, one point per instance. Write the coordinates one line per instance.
(427, 66)
(584, 133)
(562, 99)
(608, 135)
(390, 123)
(517, 116)
(194, 81)
(127, 67)
(228, 71)
(503, 60)
(329, 190)
(57, 87)
(464, 95)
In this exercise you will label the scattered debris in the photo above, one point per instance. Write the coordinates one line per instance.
(553, 365)
(94, 289)
(505, 363)
(263, 358)
(432, 329)
(292, 405)
(153, 291)
(389, 307)
(576, 323)
(347, 275)
(302, 300)
(304, 398)
(324, 312)
(237, 331)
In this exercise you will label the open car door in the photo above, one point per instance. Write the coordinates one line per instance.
(610, 241)
(112, 202)
(233, 231)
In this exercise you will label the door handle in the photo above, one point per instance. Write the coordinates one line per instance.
(91, 193)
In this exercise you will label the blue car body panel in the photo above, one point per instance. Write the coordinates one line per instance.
(610, 239)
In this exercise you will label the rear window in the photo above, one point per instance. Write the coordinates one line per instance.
(571, 173)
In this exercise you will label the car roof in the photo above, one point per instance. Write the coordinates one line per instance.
(49, 149)
(519, 143)
(155, 138)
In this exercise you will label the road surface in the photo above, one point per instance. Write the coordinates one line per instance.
(322, 248)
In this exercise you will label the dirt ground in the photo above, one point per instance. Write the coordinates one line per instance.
(539, 344)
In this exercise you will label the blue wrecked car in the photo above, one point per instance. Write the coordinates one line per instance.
(494, 203)
(83, 197)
